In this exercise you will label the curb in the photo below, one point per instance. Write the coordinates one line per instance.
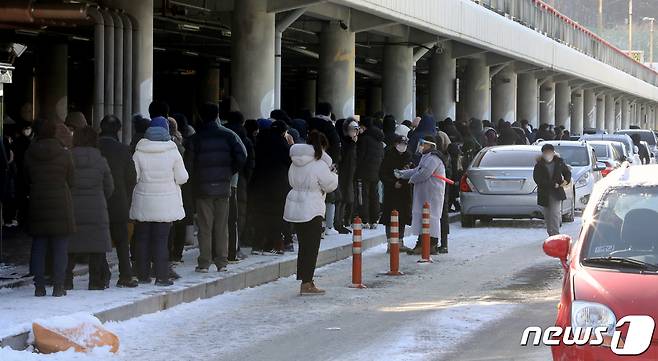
(233, 282)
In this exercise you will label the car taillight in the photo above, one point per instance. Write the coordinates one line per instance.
(606, 171)
(463, 184)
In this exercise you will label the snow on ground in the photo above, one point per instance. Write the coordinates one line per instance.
(226, 325)
(18, 306)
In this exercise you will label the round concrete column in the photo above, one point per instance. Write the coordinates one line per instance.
(443, 75)
(547, 103)
(589, 109)
(528, 95)
(600, 112)
(610, 114)
(375, 100)
(309, 94)
(142, 12)
(563, 104)
(252, 59)
(577, 106)
(503, 95)
(397, 81)
(477, 90)
(625, 113)
(52, 81)
(337, 66)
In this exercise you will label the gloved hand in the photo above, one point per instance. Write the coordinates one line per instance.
(397, 173)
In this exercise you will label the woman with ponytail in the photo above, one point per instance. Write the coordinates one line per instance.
(311, 177)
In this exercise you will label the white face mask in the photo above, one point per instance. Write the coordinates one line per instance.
(548, 157)
(401, 147)
(27, 132)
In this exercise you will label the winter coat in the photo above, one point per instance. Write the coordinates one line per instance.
(324, 125)
(347, 170)
(269, 184)
(160, 172)
(121, 164)
(247, 170)
(425, 127)
(508, 136)
(470, 148)
(216, 155)
(93, 186)
(49, 170)
(311, 179)
(395, 198)
(545, 185)
(427, 189)
(369, 154)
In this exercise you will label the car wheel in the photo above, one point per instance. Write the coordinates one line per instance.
(571, 216)
(468, 221)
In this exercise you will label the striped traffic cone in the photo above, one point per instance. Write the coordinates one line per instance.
(394, 245)
(425, 236)
(356, 254)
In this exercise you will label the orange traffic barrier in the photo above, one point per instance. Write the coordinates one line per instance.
(82, 338)
(356, 254)
(425, 235)
(394, 242)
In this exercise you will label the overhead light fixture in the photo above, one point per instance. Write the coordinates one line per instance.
(27, 32)
(79, 38)
(372, 61)
(159, 49)
(189, 27)
(226, 33)
(190, 53)
(302, 47)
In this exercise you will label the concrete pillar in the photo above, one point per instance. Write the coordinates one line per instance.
(398, 81)
(563, 104)
(375, 100)
(618, 114)
(210, 85)
(443, 76)
(625, 113)
(477, 90)
(610, 114)
(309, 94)
(577, 106)
(600, 112)
(547, 103)
(503, 95)
(51, 81)
(337, 66)
(252, 59)
(528, 95)
(589, 109)
(142, 12)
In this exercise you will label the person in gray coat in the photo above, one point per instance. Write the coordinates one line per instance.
(93, 186)
(427, 188)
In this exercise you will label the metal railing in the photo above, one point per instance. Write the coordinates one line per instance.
(543, 18)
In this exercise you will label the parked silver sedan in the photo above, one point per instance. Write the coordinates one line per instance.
(499, 184)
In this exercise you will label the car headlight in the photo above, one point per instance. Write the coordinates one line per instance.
(582, 181)
(591, 314)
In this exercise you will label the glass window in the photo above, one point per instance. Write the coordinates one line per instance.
(601, 150)
(625, 226)
(648, 137)
(509, 158)
(574, 156)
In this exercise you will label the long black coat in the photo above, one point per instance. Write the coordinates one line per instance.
(395, 198)
(347, 170)
(325, 126)
(269, 184)
(49, 170)
(93, 186)
(546, 185)
(369, 154)
(248, 169)
(120, 160)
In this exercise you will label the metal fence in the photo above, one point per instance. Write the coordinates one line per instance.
(544, 19)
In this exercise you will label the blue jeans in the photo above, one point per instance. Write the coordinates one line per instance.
(152, 239)
(59, 248)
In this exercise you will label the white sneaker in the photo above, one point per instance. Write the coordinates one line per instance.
(330, 232)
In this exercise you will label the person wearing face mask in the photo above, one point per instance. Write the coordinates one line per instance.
(427, 188)
(397, 192)
(369, 157)
(551, 175)
(349, 134)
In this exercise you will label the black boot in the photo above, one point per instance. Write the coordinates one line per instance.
(39, 291)
(68, 284)
(444, 246)
(434, 246)
(59, 291)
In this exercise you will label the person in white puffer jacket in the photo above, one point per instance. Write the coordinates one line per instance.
(157, 199)
(311, 177)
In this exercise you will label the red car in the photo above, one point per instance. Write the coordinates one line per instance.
(611, 270)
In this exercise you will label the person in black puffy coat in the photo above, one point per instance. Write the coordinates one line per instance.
(397, 192)
(349, 130)
(370, 154)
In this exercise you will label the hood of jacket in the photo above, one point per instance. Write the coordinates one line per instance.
(427, 125)
(157, 134)
(46, 149)
(150, 146)
(303, 154)
(85, 157)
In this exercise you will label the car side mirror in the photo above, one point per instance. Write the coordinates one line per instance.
(600, 166)
(558, 247)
